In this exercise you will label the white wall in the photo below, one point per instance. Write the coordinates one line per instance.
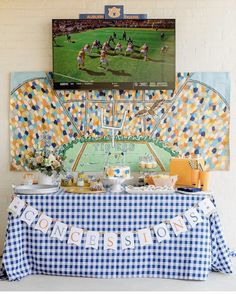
(206, 41)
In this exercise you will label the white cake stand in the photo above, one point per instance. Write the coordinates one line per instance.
(116, 183)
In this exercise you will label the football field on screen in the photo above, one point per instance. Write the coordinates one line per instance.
(129, 68)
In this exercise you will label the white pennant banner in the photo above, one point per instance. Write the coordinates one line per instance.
(60, 229)
(193, 217)
(43, 223)
(16, 206)
(145, 237)
(75, 236)
(92, 240)
(110, 241)
(178, 225)
(161, 232)
(29, 215)
(207, 206)
(127, 240)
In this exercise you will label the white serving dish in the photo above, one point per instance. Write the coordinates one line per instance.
(35, 189)
(149, 190)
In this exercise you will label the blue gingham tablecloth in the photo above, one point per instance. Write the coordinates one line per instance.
(191, 255)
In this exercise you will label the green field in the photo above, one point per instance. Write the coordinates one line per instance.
(158, 67)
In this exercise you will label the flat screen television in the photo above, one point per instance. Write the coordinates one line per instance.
(113, 54)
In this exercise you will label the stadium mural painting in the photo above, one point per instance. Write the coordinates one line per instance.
(191, 120)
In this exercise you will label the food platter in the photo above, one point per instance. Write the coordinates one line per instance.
(149, 189)
(81, 190)
(35, 189)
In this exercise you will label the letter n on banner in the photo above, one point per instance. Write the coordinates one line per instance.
(161, 232)
(43, 223)
(29, 215)
(75, 236)
(59, 231)
(92, 239)
(178, 225)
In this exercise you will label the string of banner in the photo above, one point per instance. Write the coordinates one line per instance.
(28, 214)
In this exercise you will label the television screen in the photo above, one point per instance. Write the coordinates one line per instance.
(113, 54)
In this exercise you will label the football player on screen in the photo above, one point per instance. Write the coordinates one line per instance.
(87, 48)
(144, 51)
(81, 58)
(118, 47)
(129, 49)
(103, 60)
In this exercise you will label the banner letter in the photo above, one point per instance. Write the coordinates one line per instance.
(193, 217)
(127, 240)
(178, 225)
(29, 215)
(145, 237)
(43, 223)
(161, 232)
(75, 236)
(92, 239)
(59, 231)
(110, 241)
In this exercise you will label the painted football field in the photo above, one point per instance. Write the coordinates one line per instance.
(158, 67)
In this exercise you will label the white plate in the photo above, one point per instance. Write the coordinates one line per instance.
(144, 190)
(35, 189)
(194, 193)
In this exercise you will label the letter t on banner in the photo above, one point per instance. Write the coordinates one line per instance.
(145, 237)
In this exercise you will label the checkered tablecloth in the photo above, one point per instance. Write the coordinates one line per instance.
(191, 255)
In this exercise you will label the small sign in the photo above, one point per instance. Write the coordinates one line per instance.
(114, 11)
